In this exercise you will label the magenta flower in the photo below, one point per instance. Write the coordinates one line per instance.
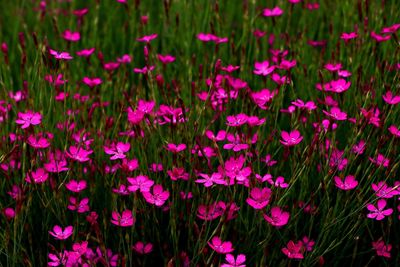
(230, 68)
(220, 247)
(9, 213)
(279, 182)
(141, 182)
(379, 38)
(274, 12)
(339, 86)
(124, 59)
(333, 67)
(60, 55)
(263, 68)
(121, 190)
(125, 219)
(348, 36)
(71, 36)
(359, 148)
(380, 160)
(156, 196)
(208, 37)
(166, 59)
(382, 190)
(259, 197)
(56, 166)
(38, 142)
(147, 38)
(308, 244)
(175, 148)
(293, 250)
(348, 183)
(391, 29)
(215, 178)
(76, 186)
(29, 118)
(85, 52)
(221, 135)
(142, 248)
(178, 173)
(336, 114)
(377, 212)
(117, 151)
(236, 143)
(78, 154)
(211, 212)
(291, 139)
(391, 99)
(39, 176)
(268, 160)
(394, 130)
(382, 249)
(338, 160)
(145, 106)
(135, 116)
(232, 262)
(61, 234)
(235, 170)
(236, 120)
(92, 82)
(143, 70)
(278, 217)
(80, 206)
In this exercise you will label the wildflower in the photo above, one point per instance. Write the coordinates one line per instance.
(80, 206)
(307, 243)
(235, 170)
(78, 154)
(92, 82)
(117, 151)
(156, 196)
(377, 212)
(394, 130)
(60, 55)
(39, 176)
(235, 144)
(178, 173)
(145, 106)
(215, 178)
(278, 217)
(76, 186)
(359, 148)
(121, 190)
(71, 36)
(380, 160)
(221, 135)
(175, 148)
(9, 213)
(348, 183)
(142, 248)
(236, 120)
(274, 12)
(348, 36)
(259, 197)
(391, 99)
(232, 262)
(147, 38)
(85, 52)
(166, 59)
(382, 190)
(293, 250)
(291, 139)
(125, 219)
(381, 248)
(56, 166)
(208, 37)
(263, 68)
(29, 118)
(379, 38)
(211, 212)
(141, 182)
(144, 70)
(38, 141)
(61, 234)
(220, 247)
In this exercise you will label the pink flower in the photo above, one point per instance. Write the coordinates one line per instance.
(382, 190)
(268, 160)
(85, 52)
(124, 59)
(117, 151)
(263, 68)
(394, 130)
(9, 213)
(293, 250)
(215, 178)
(121, 190)
(339, 86)
(391, 29)
(379, 38)
(232, 262)
(307, 243)
(275, 12)
(382, 249)
(359, 148)
(175, 148)
(336, 114)
(125, 219)
(39, 176)
(380, 160)
(166, 59)
(76, 186)
(61, 234)
(38, 141)
(377, 212)
(221, 135)
(78, 154)
(145, 106)
(348, 36)
(143, 70)
(348, 183)
(71, 36)
(141, 182)
(220, 247)
(278, 217)
(147, 38)
(211, 212)
(391, 99)
(291, 139)
(279, 182)
(236, 120)
(259, 197)
(208, 37)
(92, 82)
(235, 144)
(81, 206)
(156, 196)
(235, 170)
(60, 55)
(56, 166)
(142, 248)
(178, 173)
(29, 118)
(230, 68)
(135, 116)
